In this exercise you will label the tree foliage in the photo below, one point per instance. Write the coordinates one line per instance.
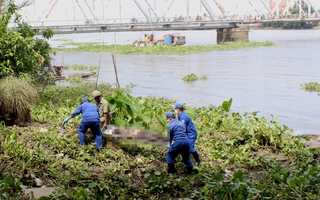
(20, 51)
(5, 3)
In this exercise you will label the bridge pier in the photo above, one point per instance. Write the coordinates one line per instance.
(239, 34)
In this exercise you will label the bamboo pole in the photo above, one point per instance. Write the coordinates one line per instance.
(115, 70)
(114, 62)
(99, 64)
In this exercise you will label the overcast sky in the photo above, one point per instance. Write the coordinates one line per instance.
(52, 10)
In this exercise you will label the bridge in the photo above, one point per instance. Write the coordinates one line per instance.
(84, 12)
(99, 16)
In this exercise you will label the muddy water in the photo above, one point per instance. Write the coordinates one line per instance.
(265, 79)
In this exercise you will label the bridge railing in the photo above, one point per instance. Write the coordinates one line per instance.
(92, 22)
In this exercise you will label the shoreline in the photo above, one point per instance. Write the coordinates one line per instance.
(257, 27)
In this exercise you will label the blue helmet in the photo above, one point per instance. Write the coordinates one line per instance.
(178, 105)
(169, 114)
(84, 100)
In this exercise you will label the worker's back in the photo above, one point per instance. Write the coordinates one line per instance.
(177, 130)
(89, 111)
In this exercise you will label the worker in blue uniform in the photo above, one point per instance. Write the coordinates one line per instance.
(90, 119)
(179, 144)
(190, 129)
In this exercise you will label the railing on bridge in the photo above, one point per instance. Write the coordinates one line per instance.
(81, 22)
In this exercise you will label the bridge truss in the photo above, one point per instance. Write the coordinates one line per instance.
(215, 9)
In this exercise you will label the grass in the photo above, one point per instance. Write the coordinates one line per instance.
(161, 49)
(16, 95)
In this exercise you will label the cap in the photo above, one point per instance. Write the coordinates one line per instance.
(84, 100)
(178, 105)
(96, 93)
(169, 114)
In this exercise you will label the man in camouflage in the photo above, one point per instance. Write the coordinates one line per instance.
(104, 108)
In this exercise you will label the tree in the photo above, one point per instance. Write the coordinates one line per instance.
(20, 51)
(5, 3)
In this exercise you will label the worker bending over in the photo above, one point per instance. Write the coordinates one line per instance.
(90, 119)
(179, 144)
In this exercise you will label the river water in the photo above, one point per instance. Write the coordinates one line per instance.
(264, 79)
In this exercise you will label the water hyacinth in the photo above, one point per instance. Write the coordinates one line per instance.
(243, 156)
(160, 49)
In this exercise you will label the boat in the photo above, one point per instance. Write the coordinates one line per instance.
(82, 75)
(168, 39)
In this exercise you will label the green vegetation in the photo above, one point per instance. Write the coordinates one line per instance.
(63, 39)
(80, 67)
(21, 55)
(20, 52)
(74, 79)
(193, 77)
(244, 156)
(289, 25)
(162, 49)
(311, 86)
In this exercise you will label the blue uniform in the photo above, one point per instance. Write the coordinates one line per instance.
(90, 119)
(181, 144)
(190, 129)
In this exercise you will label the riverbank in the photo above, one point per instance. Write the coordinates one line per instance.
(243, 156)
(270, 27)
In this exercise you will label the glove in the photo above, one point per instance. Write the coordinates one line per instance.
(66, 120)
(103, 130)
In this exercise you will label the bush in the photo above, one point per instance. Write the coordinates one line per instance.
(15, 97)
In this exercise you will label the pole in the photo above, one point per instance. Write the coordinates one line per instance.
(254, 8)
(266, 8)
(299, 8)
(120, 10)
(99, 64)
(315, 10)
(188, 14)
(114, 62)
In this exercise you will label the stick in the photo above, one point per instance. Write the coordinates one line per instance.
(115, 70)
(99, 63)
(114, 62)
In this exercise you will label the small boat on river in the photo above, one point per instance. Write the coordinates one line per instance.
(168, 39)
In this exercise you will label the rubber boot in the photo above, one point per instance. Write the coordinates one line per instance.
(190, 170)
(171, 168)
(196, 158)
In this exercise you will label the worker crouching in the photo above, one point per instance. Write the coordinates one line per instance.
(179, 144)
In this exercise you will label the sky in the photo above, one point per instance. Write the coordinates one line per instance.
(110, 10)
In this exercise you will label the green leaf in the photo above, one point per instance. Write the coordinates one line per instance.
(226, 105)
(9, 181)
(238, 176)
(157, 173)
(217, 177)
(92, 184)
(14, 136)
(161, 120)
(191, 113)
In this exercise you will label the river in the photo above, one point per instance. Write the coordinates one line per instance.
(264, 79)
